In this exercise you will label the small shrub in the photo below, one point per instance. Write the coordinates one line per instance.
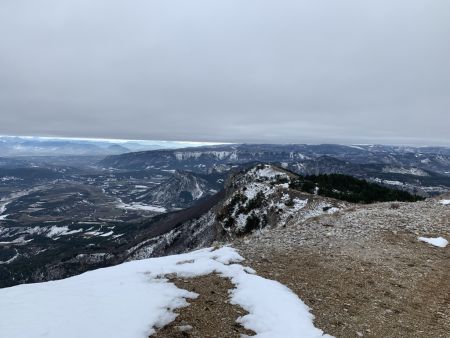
(253, 222)
(255, 202)
(229, 222)
(289, 203)
(282, 180)
(228, 209)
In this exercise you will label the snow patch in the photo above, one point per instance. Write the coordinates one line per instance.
(107, 234)
(332, 210)
(408, 171)
(388, 182)
(252, 189)
(19, 241)
(438, 241)
(56, 231)
(140, 206)
(131, 299)
(267, 172)
(445, 202)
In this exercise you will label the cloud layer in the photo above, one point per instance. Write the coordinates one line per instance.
(227, 70)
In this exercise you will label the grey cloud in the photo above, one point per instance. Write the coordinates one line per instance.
(227, 70)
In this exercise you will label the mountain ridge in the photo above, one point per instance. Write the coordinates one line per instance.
(423, 170)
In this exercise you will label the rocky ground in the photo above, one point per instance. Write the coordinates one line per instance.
(210, 315)
(361, 270)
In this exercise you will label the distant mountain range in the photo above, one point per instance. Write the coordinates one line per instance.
(203, 158)
(18, 146)
(425, 170)
(13, 146)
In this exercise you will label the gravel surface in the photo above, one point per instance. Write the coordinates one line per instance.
(362, 270)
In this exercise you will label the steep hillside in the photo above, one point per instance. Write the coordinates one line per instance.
(176, 190)
(179, 191)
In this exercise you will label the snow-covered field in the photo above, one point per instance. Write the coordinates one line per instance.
(131, 299)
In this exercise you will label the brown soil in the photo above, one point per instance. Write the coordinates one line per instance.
(210, 315)
(391, 286)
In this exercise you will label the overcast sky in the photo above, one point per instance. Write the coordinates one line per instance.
(227, 70)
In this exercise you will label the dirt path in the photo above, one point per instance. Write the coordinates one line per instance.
(210, 315)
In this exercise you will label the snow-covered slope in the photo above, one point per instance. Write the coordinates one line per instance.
(262, 197)
(132, 299)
